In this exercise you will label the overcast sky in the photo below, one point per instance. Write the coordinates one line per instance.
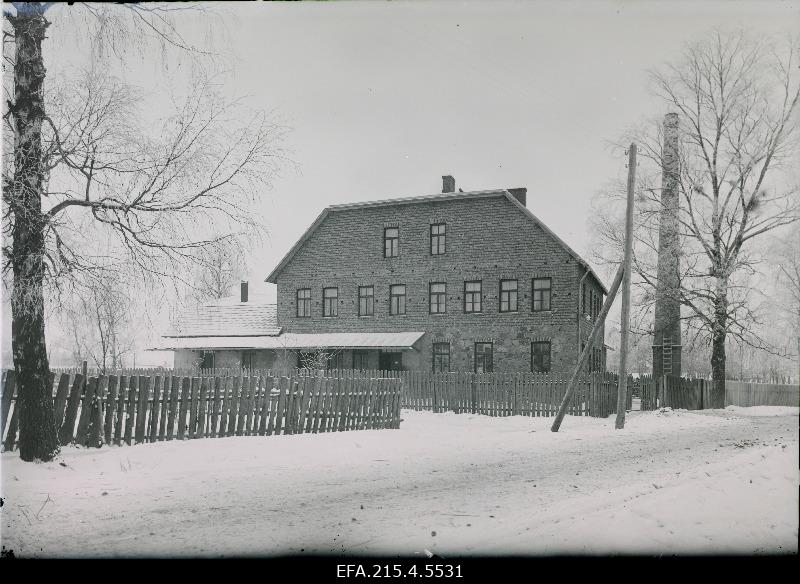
(385, 98)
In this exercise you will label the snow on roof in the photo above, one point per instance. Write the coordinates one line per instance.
(372, 340)
(227, 317)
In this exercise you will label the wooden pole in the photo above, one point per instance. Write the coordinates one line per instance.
(622, 388)
(587, 350)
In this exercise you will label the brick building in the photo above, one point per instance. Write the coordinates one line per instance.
(453, 281)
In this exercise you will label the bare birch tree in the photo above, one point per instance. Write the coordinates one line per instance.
(89, 165)
(737, 98)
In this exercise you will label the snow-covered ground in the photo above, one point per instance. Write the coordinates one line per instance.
(717, 481)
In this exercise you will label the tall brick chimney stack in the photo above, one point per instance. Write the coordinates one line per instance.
(244, 291)
(667, 323)
(448, 184)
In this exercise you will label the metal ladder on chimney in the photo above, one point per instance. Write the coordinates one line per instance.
(666, 349)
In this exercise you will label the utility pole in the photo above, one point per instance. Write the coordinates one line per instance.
(622, 388)
(584, 359)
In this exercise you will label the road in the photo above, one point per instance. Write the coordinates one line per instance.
(675, 482)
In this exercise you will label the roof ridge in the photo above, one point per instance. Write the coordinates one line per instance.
(239, 303)
(415, 198)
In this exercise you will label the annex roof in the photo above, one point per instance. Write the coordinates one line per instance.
(226, 318)
(351, 340)
(272, 278)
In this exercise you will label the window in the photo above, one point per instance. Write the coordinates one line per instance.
(304, 302)
(397, 299)
(335, 361)
(441, 357)
(483, 358)
(360, 360)
(585, 305)
(472, 296)
(366, 301)
(438, 294)
(438, 235)
(206, 359)
(540, 356)
(391, 242)
(330, 306)
(508, 295)
(595, 358)
(541, 294)
(247, 359)
(390, 361)
(595, 304)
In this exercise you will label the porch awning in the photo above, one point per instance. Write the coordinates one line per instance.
(402, 341)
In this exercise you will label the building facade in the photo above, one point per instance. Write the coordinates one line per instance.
(450, 282)
(488, 286)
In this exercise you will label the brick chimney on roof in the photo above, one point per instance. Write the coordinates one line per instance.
(520, 194)
(244, 291)
(448, 184)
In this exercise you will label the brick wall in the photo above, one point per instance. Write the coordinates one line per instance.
(488, 239)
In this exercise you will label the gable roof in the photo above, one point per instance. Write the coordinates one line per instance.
(226, 318)
(272, 278)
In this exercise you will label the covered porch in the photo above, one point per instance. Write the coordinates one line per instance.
(388, 351)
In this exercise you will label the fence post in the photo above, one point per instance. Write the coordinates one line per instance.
(473, 391)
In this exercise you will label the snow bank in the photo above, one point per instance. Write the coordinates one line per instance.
(672, 480)
(758, 411)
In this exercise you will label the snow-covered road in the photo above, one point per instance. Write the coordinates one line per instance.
(720, 481)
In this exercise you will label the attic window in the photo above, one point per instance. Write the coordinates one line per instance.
(541, 294)
(304, 302)
(330, 297)
(391, 242)
(438, 235)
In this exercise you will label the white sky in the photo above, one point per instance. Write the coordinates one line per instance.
(385, 98)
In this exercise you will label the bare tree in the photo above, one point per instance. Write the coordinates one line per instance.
(317, 358)
(219, 268)
(788, 258)
(100, 320)
(285, 360)
(87, 165)
(737, 99)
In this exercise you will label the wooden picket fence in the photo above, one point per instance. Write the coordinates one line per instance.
(695, 393)
(132, 409)
(674, 392)
(510, 394)
(746, 394)
(493, 394)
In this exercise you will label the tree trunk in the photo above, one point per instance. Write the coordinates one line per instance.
(37, 431)
(718, 335)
